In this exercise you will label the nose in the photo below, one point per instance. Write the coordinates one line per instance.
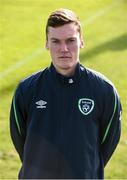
(63, 47)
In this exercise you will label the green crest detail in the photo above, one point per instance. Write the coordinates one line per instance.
(85, 105)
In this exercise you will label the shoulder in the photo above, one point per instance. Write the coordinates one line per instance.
(33, 78)
(98, 81)
(98, 77)
(28, 84)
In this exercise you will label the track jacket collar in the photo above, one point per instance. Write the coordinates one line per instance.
(66, 80)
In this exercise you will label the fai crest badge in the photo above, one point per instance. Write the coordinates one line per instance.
(85, 105)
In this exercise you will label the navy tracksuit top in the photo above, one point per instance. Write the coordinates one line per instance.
(65, 127)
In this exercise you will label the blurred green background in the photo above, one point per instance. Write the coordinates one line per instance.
(22, 52)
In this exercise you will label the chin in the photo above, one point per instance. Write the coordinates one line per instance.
(66, 66)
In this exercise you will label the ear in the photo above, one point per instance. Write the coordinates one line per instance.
(47, 45)
(82, 44)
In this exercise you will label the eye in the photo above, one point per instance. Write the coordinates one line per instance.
(71, 40)
(55, 41)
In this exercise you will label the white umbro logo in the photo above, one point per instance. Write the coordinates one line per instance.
(41, 104)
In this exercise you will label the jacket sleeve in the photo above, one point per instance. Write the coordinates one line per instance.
(110, 127)
(18, 122)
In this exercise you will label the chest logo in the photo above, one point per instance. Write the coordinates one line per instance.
(85, 105)
(41, 104)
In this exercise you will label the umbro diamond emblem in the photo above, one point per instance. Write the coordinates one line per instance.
(85, 105)
(41, 104)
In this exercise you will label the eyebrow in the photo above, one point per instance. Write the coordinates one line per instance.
(66, 39)
(54, 38)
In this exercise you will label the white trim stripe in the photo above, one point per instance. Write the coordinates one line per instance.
(21, 62)
(101, 13)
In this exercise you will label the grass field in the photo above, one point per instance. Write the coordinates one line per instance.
(22, 52)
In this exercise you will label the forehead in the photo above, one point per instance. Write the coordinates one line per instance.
(64, 31)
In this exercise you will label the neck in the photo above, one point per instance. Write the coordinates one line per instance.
(66, 71)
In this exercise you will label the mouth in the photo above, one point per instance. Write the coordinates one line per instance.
(64, 57)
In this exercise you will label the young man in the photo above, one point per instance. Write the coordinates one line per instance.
(65, 119)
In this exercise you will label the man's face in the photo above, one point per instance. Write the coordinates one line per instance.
(64, 43)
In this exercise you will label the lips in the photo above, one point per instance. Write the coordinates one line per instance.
(64, 57)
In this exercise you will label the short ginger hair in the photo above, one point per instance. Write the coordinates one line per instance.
(61, 17)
